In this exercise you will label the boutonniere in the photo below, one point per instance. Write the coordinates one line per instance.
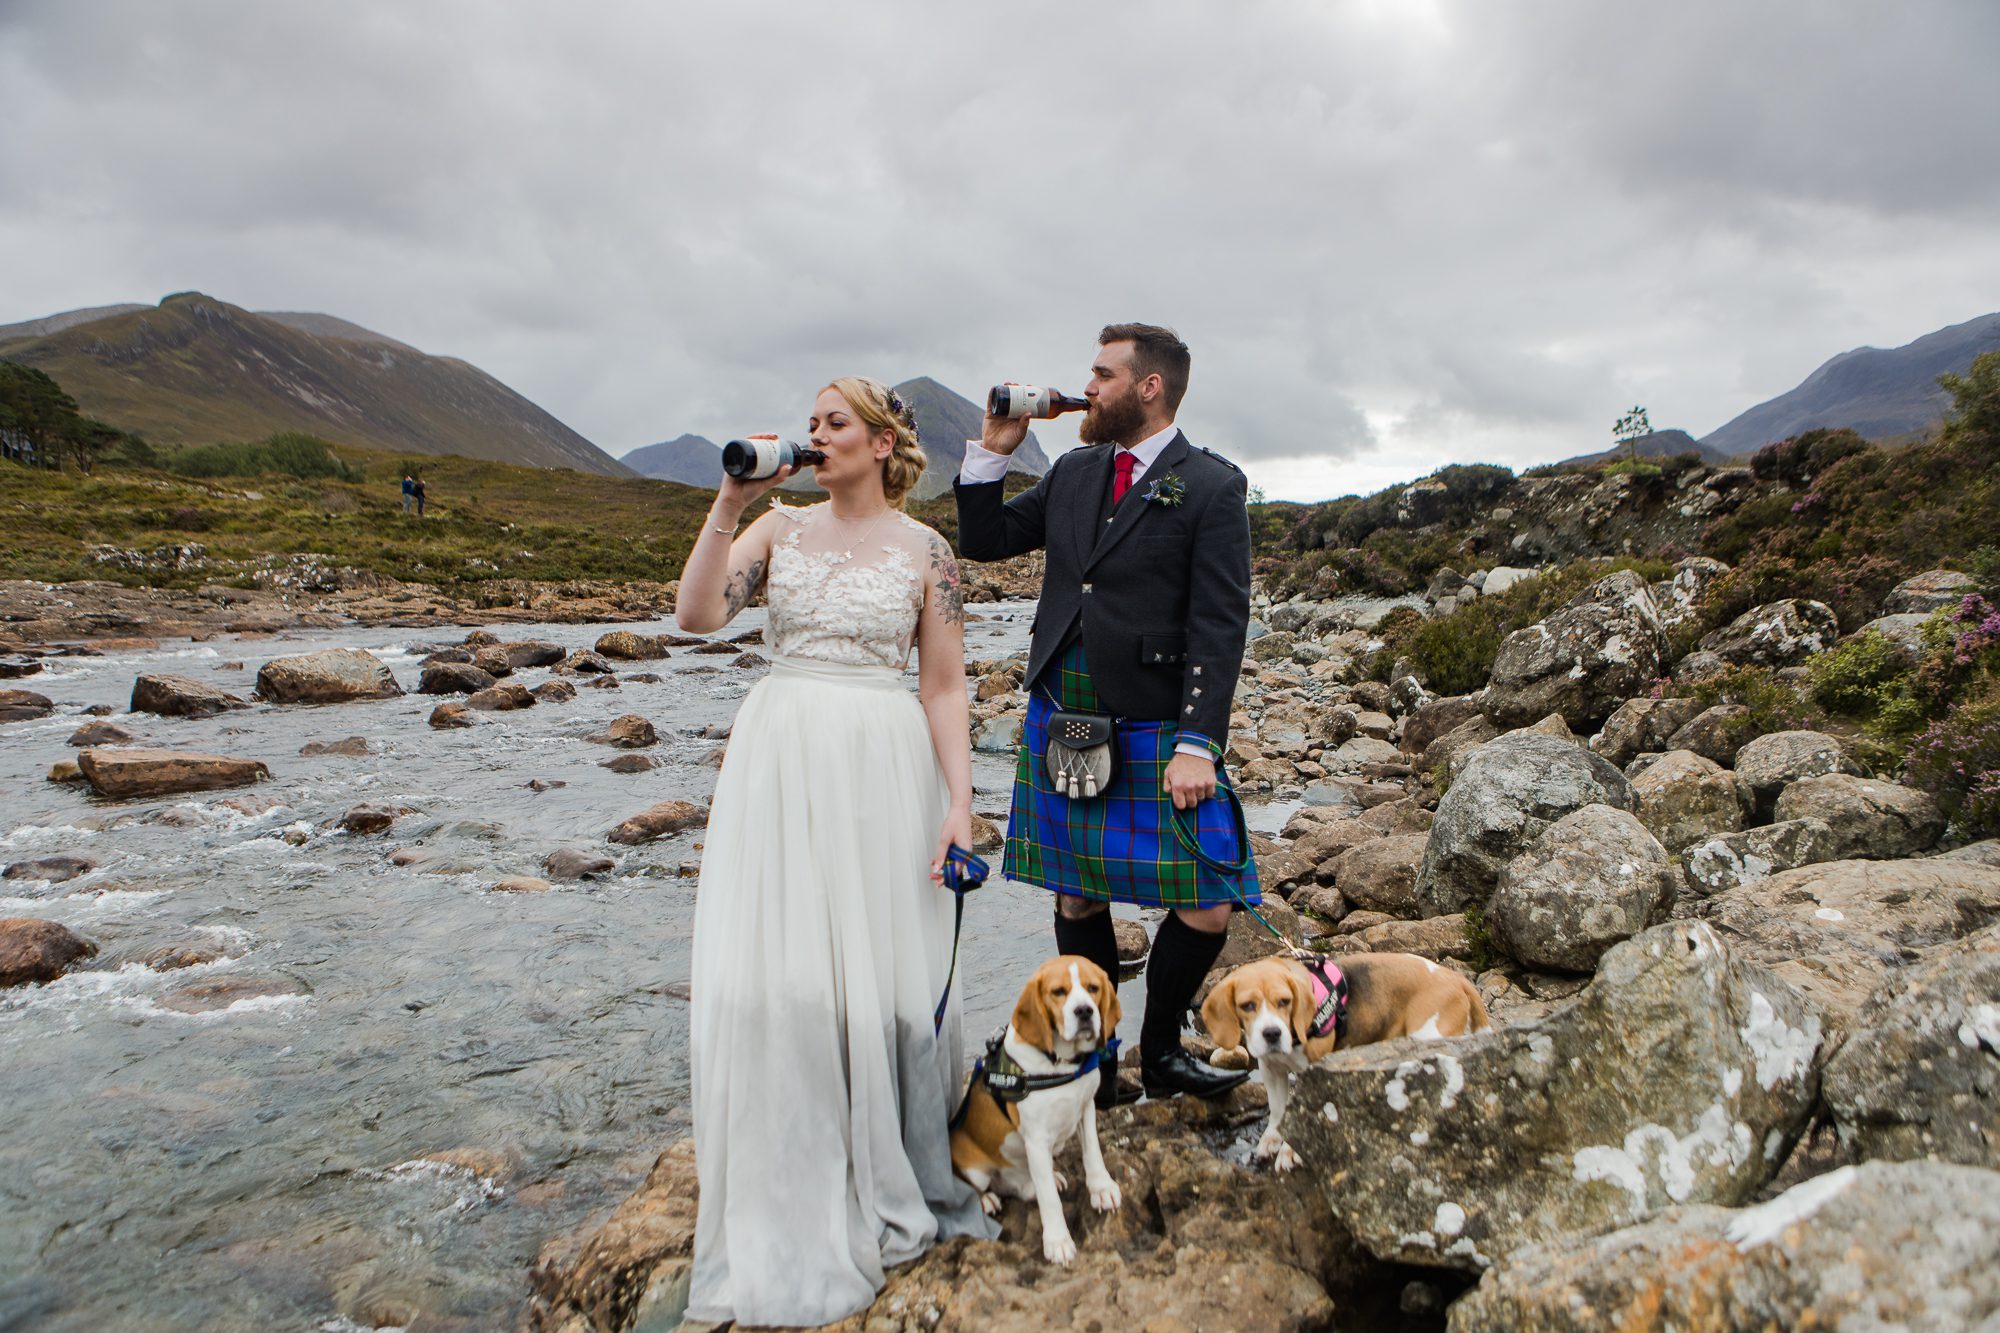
(1169, 490)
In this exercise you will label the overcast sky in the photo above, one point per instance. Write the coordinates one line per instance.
(1396, 234)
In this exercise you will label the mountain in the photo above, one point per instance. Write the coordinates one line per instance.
(1659, 444)
(195, 370)
(692, 460)
(945, 421)
(1886, 395)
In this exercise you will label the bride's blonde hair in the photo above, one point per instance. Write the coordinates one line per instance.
(884, 409)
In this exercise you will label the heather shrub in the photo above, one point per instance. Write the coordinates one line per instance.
(1957, 760)
(1803, 457)
(1771, 704)
(1869, 677)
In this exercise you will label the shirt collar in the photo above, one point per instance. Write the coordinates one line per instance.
(1150, 448)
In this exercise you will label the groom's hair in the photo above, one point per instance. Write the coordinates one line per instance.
(1155, 351)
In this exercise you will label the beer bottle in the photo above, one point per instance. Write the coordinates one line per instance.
(761, 456)
(1027, 400)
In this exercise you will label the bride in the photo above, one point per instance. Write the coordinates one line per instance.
(822, 935)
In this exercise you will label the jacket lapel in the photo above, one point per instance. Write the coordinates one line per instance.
(1132, 509)
(1089, 499)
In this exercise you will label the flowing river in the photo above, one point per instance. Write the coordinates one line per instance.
(395, 1085)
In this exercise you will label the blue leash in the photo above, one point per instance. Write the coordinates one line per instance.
(1229, 874)
(963, 872)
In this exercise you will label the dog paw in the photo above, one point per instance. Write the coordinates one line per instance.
(1286, 1159)
(1267, 1146)
(1058, 1249)
(989, 1203)
(1106, 1197)
(1062, 1183)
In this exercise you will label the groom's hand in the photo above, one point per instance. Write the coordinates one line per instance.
(1190, 780)
(1002, 435)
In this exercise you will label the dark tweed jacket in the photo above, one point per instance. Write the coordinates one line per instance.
(1162, 591)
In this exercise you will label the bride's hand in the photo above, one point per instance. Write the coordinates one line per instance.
(957, 829)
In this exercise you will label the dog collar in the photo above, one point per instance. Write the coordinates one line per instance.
(1329, 999)
(1008, 1082)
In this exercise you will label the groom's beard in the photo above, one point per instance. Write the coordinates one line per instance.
(1112, 423)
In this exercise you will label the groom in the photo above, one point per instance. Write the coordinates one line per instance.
(1144, 607)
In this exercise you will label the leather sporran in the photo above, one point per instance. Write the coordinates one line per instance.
(1082, 757)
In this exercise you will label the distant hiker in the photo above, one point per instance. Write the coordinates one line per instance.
(420, 497)
(409, 493)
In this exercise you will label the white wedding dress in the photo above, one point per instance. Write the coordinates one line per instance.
(821, 1096)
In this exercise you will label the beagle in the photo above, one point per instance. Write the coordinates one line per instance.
(1270, 1008)
(1016, 1120)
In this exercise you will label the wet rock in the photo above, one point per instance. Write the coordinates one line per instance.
(661, 821)
(1594, 878)
(205, 997)
(1436, 938)
(445, 655)
(353, 747)
(1933, 590)
(65, 770)
(554, 691)
(630, 763)
(1880, 1246)
(99, 710)
(626, 646)
(54, 869)
(1869, 817)
(100, 733)
(335, 675)
(34, 950)
(1713, 733)
(454, 678)
(629, 732)
(521, 884)
(1684, 799)
(1770, 763)
(590, 664)
(19, 668)
(179, 696)
(1640, 725)
(1776, 634)
(987, 836)
(749, 660)
(569, 863)
(999, 735)
(1682, 1074)
(371, 817)
(174, 957)
(643, 678)
(452, 714)
(1718, 864)
(1583, 661)
(716, 647)
(1831, 929)
(524, 653)
(1133, 942)
(543, 784)
(129, 773)
(481, 638)
(493, 661)
(1920, 1076)
(1510, 790)
(1381, 876)
(504, 697)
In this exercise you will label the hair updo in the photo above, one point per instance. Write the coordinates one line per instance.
(884, 409)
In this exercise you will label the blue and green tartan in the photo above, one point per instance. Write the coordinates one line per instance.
(1119, 847)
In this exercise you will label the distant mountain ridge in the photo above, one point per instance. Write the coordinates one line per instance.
(196, 370)
(1885, 395)
(1659, 444)
(693, 460)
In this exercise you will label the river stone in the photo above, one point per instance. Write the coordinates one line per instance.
(500, 698)
(54, 869)
(19, 668)
(524, 653)
(1639, 725)
(1682, 1074)
(179, 696)
(453, 678)
(1776, 634)
(204, 997)
(1869, 817)
(998, 735)
(65, 770)
(35, 950)
(1594, 878)
(124, 773)
(450, 714)
(1713, 733)
(1684, 799)
(570, 863)
(1381, 876)
(1280, 868)
(661, 821)
(1886, 1245)
(1436, 938)
(174, 957)
(354, 747)
(603, 682)
(100, 733)
(628, 732)
(521, 884)
(1583, 661)
(630, 763)
(370, 817)
(493, 661)
(1920, 1076)
(24, 706)
(1510, 790)
(554, 691)
(335, 675)
(1831, 929)
(1933, 590)
(626, 646)
(1771, 762)
(1716, 864)
(590, 664)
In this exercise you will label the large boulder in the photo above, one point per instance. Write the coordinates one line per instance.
(1510, 790)
(1933, 590)
(660, 821)
(35, 950)
(1594, 878)
(335, 675)
(1776, 634)
(1642, 725)
(1723, 862)
(453, 678)
(500, 698)
(24, 706)
(523, 653)
(1882, 1246)
(1682, 1074)
(180, 696)
(1715, 733)
(1434, 717)
(55, 869)
(1685, 799)
(626, 646)
(1869, 817)
(628, 732)
(1920, 1076)
(128, 773)
(1381, 876)
(1679, 596)
(1770, 763)
(1583, 661)
(1831, 929)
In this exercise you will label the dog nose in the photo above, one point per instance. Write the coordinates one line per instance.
(1085, 1014)
(1273, 1035)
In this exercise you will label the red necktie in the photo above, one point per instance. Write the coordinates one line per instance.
(1122, 483)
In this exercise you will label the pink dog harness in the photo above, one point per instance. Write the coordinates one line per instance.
(1329, 998)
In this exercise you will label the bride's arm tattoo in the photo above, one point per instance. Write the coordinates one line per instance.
(742, 586)
(950, 601)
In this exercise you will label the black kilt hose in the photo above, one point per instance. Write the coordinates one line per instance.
(1144, 608)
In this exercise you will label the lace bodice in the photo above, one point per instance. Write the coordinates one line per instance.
(846, 593)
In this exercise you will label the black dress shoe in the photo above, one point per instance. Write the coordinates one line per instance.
(1178, 1071)
(1114, 1091)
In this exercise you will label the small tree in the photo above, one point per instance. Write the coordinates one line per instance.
(1628, 428)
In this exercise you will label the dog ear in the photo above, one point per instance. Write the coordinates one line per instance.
(1113, 1011)
(1218, 1014)
(1302, 1006)
(1031, 1014)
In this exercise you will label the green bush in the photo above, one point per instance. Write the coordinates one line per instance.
(1803, 457)
(287, 453)
(1769, 704)
(1863, 676)
(1957, 760)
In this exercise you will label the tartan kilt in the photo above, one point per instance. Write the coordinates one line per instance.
(1119, 847)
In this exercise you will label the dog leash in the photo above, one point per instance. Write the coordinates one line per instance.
(963, 872)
